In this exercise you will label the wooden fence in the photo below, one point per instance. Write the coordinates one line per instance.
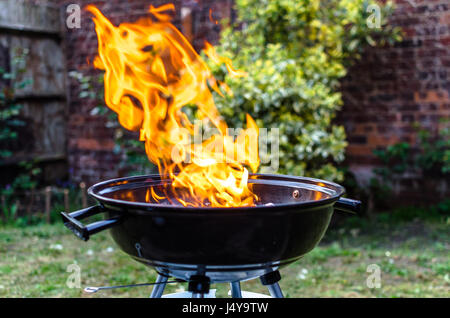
(42, 202)
(36, 28)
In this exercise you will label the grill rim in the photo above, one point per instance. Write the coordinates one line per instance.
(338, 189)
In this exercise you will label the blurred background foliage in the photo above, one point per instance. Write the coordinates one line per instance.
(428, 160)
(295, 53)
(9, 108)
(10, 123)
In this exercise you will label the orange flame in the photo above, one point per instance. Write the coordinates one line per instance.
(151, 73)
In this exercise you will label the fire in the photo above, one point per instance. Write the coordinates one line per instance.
(151, 73)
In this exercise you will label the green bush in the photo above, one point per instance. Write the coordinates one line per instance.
(9, 109)
(295, 53)
(428, 158)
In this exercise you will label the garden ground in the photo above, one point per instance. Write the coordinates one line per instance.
(412, 256)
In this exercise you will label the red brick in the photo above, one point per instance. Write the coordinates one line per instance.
(95, 144)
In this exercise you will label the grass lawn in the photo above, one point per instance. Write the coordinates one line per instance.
(412, 256)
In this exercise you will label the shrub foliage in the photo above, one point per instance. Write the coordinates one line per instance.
(295, 53)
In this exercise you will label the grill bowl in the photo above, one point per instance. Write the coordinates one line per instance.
(225, 244)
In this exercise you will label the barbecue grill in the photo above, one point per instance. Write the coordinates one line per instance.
(218, 245)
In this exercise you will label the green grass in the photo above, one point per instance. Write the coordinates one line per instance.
(412, 256)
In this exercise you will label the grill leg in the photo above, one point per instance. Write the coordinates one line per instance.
(271, 281)
(236, 290)
(159, 288)
(275, 291)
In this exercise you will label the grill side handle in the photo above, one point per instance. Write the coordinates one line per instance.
(82, 231)
(348, 205)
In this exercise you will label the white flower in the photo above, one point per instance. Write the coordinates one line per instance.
(58, 247)
(387, 254)
(109, 249)
(302, 274)
(391, 261)
(90, 252)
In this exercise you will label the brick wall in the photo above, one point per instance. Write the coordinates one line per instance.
(390, 88)
(387, 90)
